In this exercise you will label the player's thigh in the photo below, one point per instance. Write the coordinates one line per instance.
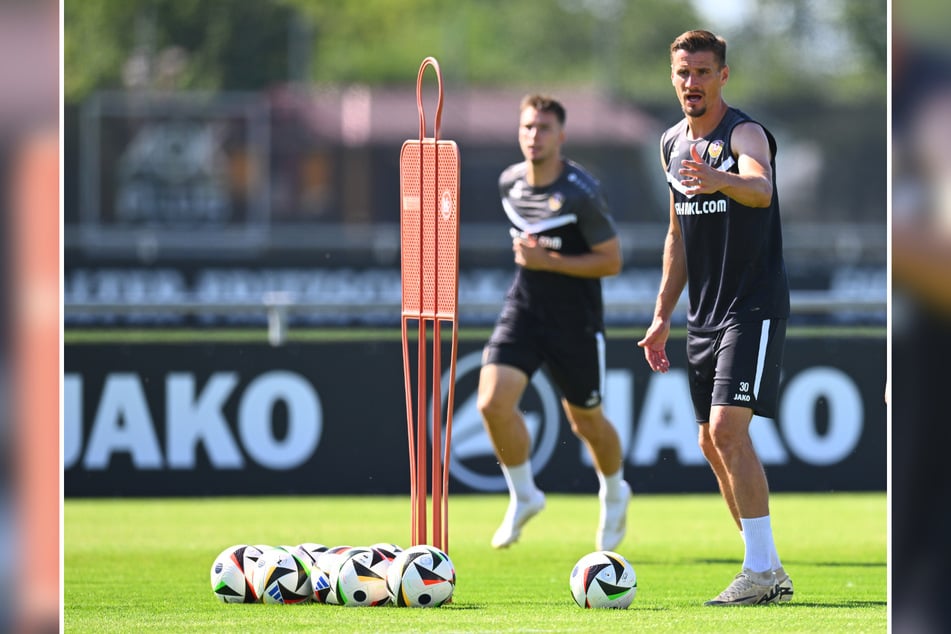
(500, 386)
(585, 421)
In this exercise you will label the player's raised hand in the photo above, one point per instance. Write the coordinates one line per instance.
(698, 177)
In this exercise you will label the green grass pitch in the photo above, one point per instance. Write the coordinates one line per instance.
(142, 565)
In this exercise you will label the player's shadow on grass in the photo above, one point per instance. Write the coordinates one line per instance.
(796, 603)
(791, 563)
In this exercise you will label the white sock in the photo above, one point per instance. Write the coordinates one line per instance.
(774, 562)
(611, 484)
(758, 537)
(520, 480)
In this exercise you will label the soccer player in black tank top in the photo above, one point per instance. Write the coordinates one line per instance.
(725, 245)
(564, 241)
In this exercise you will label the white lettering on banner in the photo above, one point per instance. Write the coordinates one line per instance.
(667, 422)
(304, 420)
(193, 420)
(72, 420)
(766, 440)
(123, 423)
(798, 413)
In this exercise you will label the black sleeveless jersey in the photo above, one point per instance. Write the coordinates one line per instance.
(734, 253)
(567, 216)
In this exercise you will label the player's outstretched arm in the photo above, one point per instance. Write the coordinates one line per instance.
(672, 283)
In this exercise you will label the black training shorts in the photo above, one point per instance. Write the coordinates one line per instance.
(573, 356)
(738, 364)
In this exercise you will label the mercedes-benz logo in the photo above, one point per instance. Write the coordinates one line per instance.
(472, 459)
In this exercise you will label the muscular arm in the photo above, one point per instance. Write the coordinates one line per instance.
(752, 186)
(674, 271)
(604, 259)
(672, 283)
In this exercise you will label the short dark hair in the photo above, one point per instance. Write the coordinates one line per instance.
(544, 103)
(699, 40)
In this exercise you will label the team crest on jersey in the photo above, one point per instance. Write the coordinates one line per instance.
(555, 201)
(715, 149)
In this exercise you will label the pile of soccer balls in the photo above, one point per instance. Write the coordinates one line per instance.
(603, 579)
(420, 576)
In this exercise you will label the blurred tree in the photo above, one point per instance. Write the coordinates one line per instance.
(203, 44)
(810, 49)
(786, 48)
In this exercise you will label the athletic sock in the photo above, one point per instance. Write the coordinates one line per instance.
(758, 538)
(520, 480)
(611, 485)
(774, 561)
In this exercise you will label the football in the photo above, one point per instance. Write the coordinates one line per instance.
(330, 558)
(312, 549)
(320, 582)
(360, 579)
(330, 562)
(304, 553)
(228, 580)
(388, 549)
(421, 576)
(603, 579)
(251, 556)
(281, 577)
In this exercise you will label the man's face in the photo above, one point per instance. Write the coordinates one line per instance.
(539, 135)
(697, 78)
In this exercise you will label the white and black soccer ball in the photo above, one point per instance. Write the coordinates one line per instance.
(320, 582)
(331, 561)
(360, 579)
(282, 577)
(313, 549)
(421, 576)
(603, 579)
(306, 552)
(251, 556)
(228, 579)
(387, 548)
(330, 558)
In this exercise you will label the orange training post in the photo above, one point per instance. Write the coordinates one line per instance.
(429, 261)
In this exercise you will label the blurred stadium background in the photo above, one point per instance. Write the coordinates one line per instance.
(224, 157)
(232, 167)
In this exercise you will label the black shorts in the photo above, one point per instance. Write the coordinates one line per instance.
(574, 357)
(737, 365)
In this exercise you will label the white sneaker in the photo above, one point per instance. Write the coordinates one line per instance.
(519, 512)
(784, 586)
(749, 588)
(613, 523)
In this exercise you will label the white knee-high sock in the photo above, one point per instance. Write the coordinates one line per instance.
(758, 537)
(520, 480)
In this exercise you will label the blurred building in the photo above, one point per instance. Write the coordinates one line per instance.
(192, 200)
